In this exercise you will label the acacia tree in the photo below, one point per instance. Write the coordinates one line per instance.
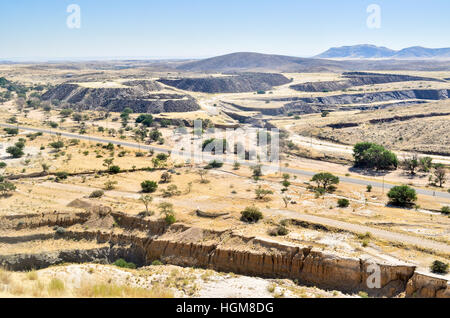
(411, 164)
(146, 200)
(402, 196)
(257, 172)
(325, 181)
(262, 193)
(286, 201)
(440, 174)
(6, 187)
(108, 163)
(370, 155)
(203, 173)
(426, 163)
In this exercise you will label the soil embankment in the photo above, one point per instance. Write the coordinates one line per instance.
(144, 240)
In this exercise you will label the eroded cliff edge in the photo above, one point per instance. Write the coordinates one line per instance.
(143, 241)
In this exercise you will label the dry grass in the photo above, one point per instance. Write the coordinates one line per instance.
(17, 289)
(56, 287)
(38, 289)
(32, 275)
(5, 277)
(108, 290)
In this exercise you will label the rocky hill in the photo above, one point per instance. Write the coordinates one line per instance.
(309, 105)
(256, 62)
(140, 96)
(229, 84)
(358, 79)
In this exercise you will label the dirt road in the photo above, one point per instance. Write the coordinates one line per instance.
(361, 229)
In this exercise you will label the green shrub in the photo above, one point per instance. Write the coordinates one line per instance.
(251, 215)
(279, 231)
(214, 164)
(369, 188)
(11, 131)
(20, 144)
(114, 169)
(96, 194)
(157, 263)
(445, 210)
(61, 175)
(6, 187)
(170, 219)
(149, 186)
(402, 196)
(343, 203)
(124, 264)
(439, 267)
(2, 165)
(145, 119)
(15, 152)
(57, 145)
(162, 156)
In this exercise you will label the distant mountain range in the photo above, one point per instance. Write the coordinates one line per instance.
(251, 62)
(366, 51)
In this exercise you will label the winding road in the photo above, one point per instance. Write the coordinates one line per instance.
(294, 171)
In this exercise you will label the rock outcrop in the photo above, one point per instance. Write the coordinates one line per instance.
(306, 105)
(358, 79)
(140, 96)
(426, 286)
(249, 82)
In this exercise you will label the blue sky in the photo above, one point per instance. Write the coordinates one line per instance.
(31, 29)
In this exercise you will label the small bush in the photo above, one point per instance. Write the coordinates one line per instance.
(369, 188)
(114, 169)
(2, 165)
(157, 263)
(343, 203)
(60, 230)
(445, 210)
(251, 215)
(15, 152)
(124, 264)
(279, 231)
(62, 175)
(170, 219)
(214, 165)
(439, 267)
(96, 194)
(149, 186)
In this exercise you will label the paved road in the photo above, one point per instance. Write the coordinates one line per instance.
(361, 229)
(210, 157)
